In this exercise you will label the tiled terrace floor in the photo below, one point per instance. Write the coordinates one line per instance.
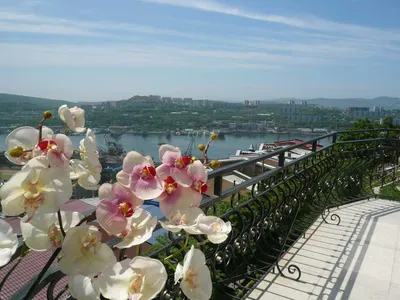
(358, 259)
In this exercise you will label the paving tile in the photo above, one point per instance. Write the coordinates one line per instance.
(394, 292)
(345, 261)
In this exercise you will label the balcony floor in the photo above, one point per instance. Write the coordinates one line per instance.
(358, 259)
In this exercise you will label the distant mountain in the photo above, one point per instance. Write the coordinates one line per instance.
(9, 101)
(387, 102)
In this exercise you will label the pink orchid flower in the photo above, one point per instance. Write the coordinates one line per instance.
(116, 206)
(175, 197)
(174, 165)
(58, 149)
(198, 175)
(138, 174)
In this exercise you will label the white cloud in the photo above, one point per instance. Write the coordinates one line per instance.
(312, 23)
(111, 45)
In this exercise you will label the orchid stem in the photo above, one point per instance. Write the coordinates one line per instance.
(40, 127)
(60, 223)
(206, 150)
(202, 243)
(31, 291)
(182, 249)
(93, 214)
(24, 251)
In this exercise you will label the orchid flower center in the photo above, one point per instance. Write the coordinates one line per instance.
(179, 219)
(55, 236)
(48, 145)
(136, 284)
(90, 241)
(170, 185)
(32, 199)
(200, 186)
(190, 278)
(148, 172)
(182, 162)
(216, 227)
(126, 209)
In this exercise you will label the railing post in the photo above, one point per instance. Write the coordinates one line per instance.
(387, 133)
(314, 146)
(334, 138)
(218, 185)
(281, 159)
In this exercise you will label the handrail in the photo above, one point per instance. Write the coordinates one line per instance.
(226, 169)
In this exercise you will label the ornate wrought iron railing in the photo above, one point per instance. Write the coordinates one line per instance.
(269, 212)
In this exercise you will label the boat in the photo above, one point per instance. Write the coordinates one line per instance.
(113, 155)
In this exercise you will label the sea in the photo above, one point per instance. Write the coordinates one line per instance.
(221, 148)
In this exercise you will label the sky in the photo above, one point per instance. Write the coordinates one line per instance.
(86, 50)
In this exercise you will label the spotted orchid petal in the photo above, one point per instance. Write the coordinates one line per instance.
(138, 174)
(117, 205)
(180, 198)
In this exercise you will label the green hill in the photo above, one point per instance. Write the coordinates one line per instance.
(9, 102)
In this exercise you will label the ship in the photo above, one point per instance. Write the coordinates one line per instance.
(113, 154)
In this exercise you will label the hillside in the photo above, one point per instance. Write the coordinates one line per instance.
(386, 102)
(9, 102)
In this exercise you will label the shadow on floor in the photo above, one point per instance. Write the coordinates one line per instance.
(352, 260)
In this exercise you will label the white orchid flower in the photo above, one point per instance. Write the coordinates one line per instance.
(43, 231)
(36, 188)
(196, 279)
(140, 278)
(83, 253)
(73, 117)
(185, 219)
(27, 138)
(88, 152)
(83, 287)
(215, 228)
(87, 178)
(57, 148)
(8, 243)
(139, 229)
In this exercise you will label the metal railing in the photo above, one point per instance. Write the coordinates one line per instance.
(272, 210)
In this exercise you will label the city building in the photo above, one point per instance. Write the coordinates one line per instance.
(167, 99)
(155, 98)
(255, 103)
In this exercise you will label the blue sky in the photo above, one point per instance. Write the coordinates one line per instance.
(84, 50)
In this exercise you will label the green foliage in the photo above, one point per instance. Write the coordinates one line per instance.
(390, 192)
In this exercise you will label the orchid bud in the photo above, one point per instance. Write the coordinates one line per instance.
(47, 115)
(16, 152)
(214, 136)
(215, 164)
(201, 147)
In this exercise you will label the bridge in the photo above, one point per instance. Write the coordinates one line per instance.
(312, 228)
